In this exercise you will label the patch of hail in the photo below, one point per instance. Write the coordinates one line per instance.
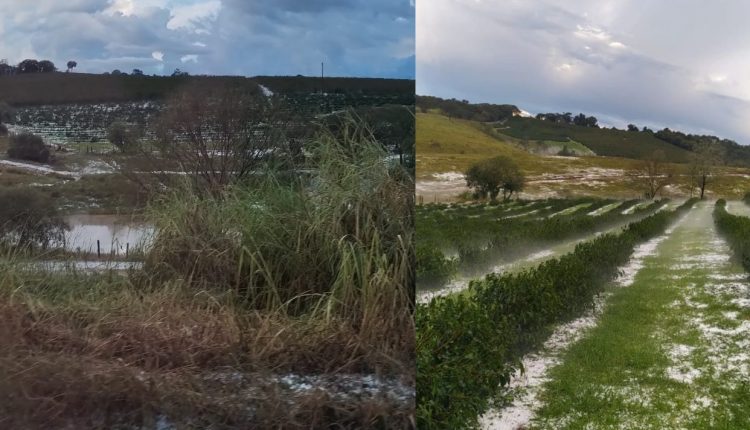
(526, 386)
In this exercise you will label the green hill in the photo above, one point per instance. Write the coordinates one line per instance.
(452, 145)
(603, 141)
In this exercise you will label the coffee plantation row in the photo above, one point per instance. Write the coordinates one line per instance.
(468, 345)
(736, 230)
(481, 235)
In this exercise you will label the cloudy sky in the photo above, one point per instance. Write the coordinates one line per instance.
(237, 37)
(683, 64)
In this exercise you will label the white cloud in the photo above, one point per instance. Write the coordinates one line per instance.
(189, 57)
(158, 55)
(133, 7)
(592, 33)
(193, 17)
(608, 58)
(123, 7)
(365, 40)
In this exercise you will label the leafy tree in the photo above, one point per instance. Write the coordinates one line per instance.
(632, 127)
(72, 65)
(580, 119)
(28, 66)
(482, 112)
(137, 72)
(490, 177)
(116, 72)
(6, 69)
(27, 146)
(47, 66)
(124, 136)
(585, 121)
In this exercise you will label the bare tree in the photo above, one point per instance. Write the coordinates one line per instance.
(691, 177)
(221, 135)
(707, 156)
(654, 173)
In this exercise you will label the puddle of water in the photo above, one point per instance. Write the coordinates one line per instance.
(116, 234)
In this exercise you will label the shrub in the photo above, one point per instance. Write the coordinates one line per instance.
(28, 218)
(7, 113)
(736, 230)
(489, 177)
(432, 266)
(125, 137)
(27, 146)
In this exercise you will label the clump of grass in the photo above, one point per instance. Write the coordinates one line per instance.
(336, 245)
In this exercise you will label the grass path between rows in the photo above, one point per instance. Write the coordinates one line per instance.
(670, 351)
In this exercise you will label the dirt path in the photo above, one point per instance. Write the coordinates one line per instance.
(669, 351)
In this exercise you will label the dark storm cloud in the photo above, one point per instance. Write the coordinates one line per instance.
(680, 64)
(353, 37)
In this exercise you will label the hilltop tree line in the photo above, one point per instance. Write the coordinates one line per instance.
(568, 118)
(730, 151)
(31, 65)
(462, 109)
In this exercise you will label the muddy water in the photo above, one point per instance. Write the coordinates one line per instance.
(115, 233)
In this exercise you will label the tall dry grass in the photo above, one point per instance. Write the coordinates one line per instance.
(336, 245)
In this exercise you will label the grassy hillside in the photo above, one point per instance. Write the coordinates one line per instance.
(445, 144)
(615, 143)
(452, 145)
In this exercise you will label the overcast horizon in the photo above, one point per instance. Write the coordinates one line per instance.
(215, 37)
(676, 64)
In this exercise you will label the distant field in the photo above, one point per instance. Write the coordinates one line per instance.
(614, 143)
(58, 88)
